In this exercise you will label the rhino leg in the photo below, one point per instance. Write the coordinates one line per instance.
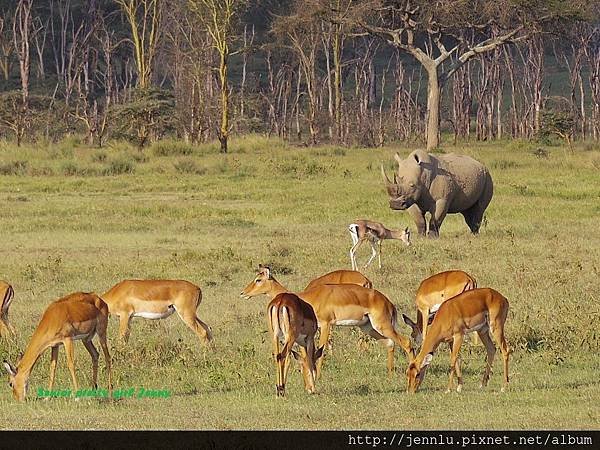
(418, 217)
(437, 217)
(474, 215)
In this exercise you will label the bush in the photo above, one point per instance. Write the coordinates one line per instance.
(171, 148)
(189, 166)
(70, 169)
(13, 168)
(119, 166)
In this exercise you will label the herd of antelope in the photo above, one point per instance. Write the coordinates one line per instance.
(449, 305)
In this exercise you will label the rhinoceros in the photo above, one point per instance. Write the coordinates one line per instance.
(440, 184)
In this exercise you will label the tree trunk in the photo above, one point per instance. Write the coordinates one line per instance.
(224, 130)
(433, 107)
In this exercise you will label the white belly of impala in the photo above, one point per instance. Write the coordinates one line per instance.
(155, 315)
(80, 336)
(352, 322)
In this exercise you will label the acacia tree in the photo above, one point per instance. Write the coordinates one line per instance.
(220, 18)
(144, 17)
(432, 31)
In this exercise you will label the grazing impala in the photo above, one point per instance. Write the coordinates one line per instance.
(156, 299)
(293, 321)
(341, 277)
(434, 291)
(345, 305)
(78, 316)
(6, 294)
(482, 310)
(373, 232)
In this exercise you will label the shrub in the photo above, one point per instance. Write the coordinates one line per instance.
(172, 148)
(119, 166)
(13, 168)
(189, 166)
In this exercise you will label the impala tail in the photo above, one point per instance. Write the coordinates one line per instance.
(8, 297)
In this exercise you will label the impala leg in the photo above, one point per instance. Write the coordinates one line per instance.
(484, 336)
(124, 326)
(89, 346)
(197, 326)
(69, 350)
(454, 367)
(383, 326)
(498, 333)
(388, 343)
(53, 363)
(425, 318)
(323, 339)
(101, 331)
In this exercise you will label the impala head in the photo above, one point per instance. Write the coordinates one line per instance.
(260, 285)
(309, 368)
(416, 372)
(16, 381)
(406, 188)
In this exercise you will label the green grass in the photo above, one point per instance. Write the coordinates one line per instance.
(211, 219)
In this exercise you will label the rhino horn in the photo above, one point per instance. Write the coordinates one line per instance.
(385, 177)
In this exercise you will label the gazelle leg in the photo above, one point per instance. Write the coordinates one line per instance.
(89, 346)
(53, 363)
(69, 350)
(373, 253)
(379, 254)
(353, 251)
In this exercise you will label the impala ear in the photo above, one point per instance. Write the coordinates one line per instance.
(398, 158)
(417, 159)
(12, 371)
(295, 354)
(427, 360)
(408, 321)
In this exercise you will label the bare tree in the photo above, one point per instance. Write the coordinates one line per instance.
(6, 42)
(144, 18)
(219, 18)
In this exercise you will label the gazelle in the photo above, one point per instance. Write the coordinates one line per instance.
(344, 305)
(482, 310)
(434, 291)
(156, 299)
(374, 233)
(6, 294)
(78, 316)
(293, 321)
(341, 277)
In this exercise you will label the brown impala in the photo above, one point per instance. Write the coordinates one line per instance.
(345, 305)
(293, 321)
(6, 294)
(156, 299)
(481, 310)
(434, 291)
(341, 277)
(78, 316)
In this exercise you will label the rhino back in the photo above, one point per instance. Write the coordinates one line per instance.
(469, 177)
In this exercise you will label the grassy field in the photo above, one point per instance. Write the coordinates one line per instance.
(76, 218)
